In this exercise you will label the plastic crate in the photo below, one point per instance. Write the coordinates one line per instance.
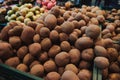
(9, 73)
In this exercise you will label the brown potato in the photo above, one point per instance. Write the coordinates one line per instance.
(61, 70)
(34, 49)
(32, 24)
(114, 68)
(13, 62)
(37, 70)
(85, 74)
(110, 27)
(105, 31)
(60, 20)
(112, 54)
(15, 42)
(50, 21)
(44, 32)
(79, 16)
(76, 24)
(43, 57)
(83, 43)
(73, 38)
(5, 50)
(49, 66)
(100, 51)
(54, 36)
(22, 51)
(101, 62)
(74, 56)
(55, 11)
(58, 29)
(54, 50)
(34, 63)
(52, 76)
(67, 27)
(46, 44)
(72, 68)
(65, 46)
(22, 67)
(114, 76)
(37, 29)
(63, 37)
(94, 21)
(82, 23)
(84, 65)
(62, 59)
(87, 54)
(36, 38)
(69, 75)
(27, 35)
(93, 31)
(101, 18)
(28, 59)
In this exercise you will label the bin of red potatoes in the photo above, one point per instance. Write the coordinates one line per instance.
(64, 44)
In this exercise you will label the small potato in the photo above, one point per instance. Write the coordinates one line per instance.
(110, 27)
(32, 24)
(58, 29)
(61, 70)
(73, 38)
(101, 62)
(72, 68)
(5, 50)
(65, 46)
(83, 43)
(60, 20)
(93, 31)
(28, 59)
(114, 76)
(84, 65)
(22, 51)
(52, 76)
(43, 57)
(74, 56)
(36, 38)
(22, 67)
(100, 51)
(101, 18)
(114, 68)
(46, 44)
(54, 36)
(87, 54)
(108, 35)
(62, 59)
(69, 75)
(54, 50)
(112, 54)
(34, 63)
(34, 49)
(76, 24)
(15, 42)
(107, 43)
(37, 29)
(82, 23)
(49, 66)
(78, 16)
(94, 21)
(85, 74)
(67, 27)
(13, 62)
(63, 37)
(105, 31)
(37, 70)
(83, 29)
(44, 32)
(27, 35)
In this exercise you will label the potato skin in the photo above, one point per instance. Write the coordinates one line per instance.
(67, 27)
(22, 67)
(13, 62)
(72, 68)
(34, 49)
(101, 62)
(46, 44)
(100, 51)
(28, 59)
(52, 76)
(37, 38)
(114, 76)
(69, 75)
(27, 35)
(54, 50)
(54, 36)
(49, 66)
(22, 51)
(44, 32)
(85, 74)
(37, 70)
(65, 46)
(62, 57)
(5, 50)
(74, 56)
(15, 42)
(43, 57)
(87, 54)
(92, 31)
(83, 43)
(63, 37)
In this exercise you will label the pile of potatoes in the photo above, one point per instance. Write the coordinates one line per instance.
(62, 45)
(24, 13)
